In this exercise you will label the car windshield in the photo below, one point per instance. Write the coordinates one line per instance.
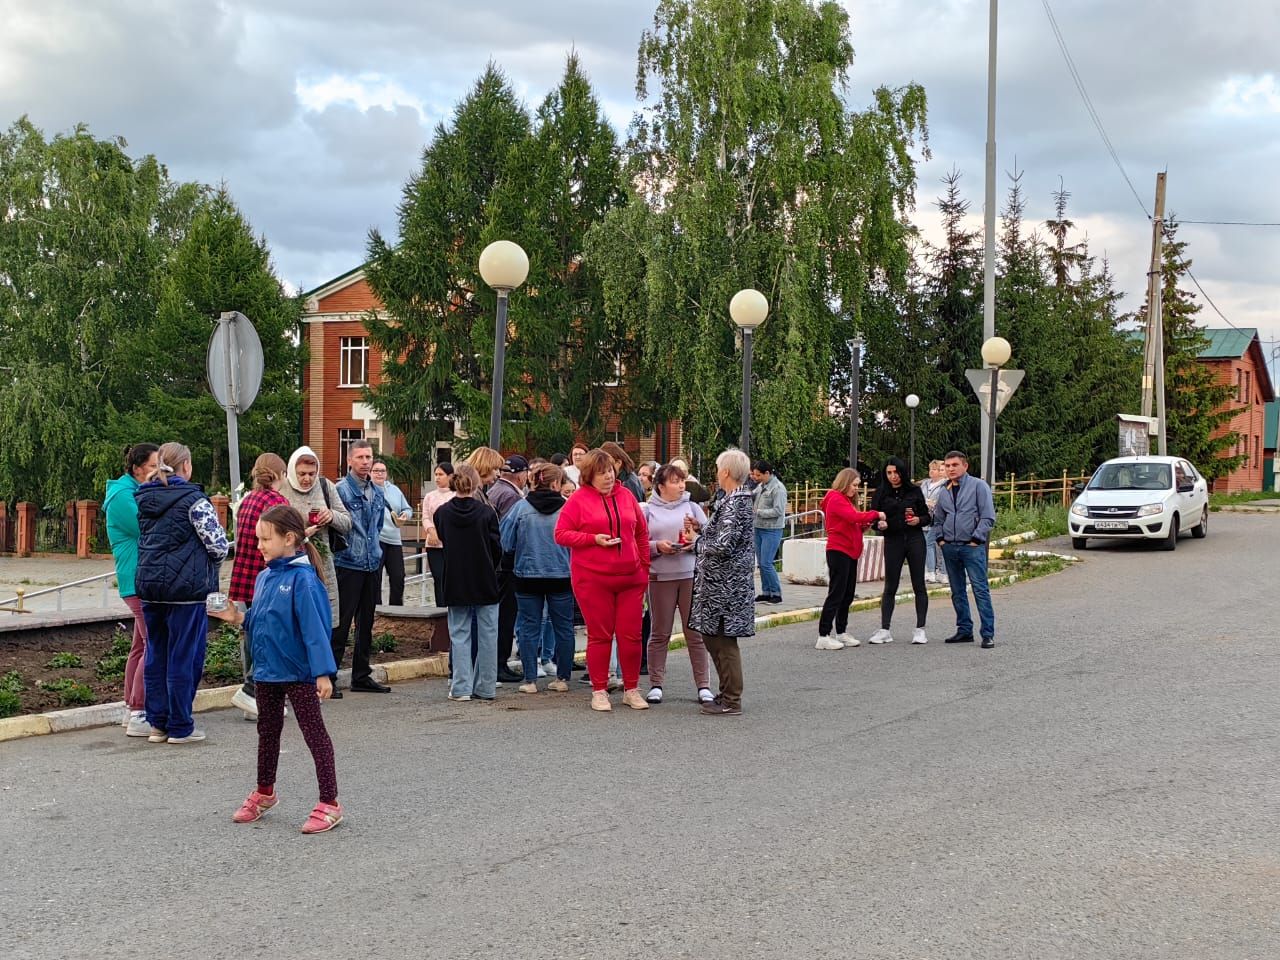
(1132, 476)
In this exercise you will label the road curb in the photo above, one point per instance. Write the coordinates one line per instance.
(207, 698)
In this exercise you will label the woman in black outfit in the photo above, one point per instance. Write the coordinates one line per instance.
(906, 516)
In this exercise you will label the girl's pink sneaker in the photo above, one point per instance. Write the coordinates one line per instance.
(254, 806)
(323, 818)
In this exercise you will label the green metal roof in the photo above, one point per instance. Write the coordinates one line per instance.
(1227, 343)
(1270, 418)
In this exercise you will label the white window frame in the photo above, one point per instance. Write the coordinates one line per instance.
(346, 437)
(350, 348)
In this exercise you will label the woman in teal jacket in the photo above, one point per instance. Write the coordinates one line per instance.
(122, 530)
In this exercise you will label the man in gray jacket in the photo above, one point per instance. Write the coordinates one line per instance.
(963, 518)
(770, 516)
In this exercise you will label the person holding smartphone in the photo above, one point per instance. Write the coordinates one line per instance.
(608, 540)
(905, 517)
(674, 522)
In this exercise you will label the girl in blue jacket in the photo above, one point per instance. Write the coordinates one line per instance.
(287, 629)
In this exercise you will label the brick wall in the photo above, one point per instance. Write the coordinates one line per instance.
(1248, 421)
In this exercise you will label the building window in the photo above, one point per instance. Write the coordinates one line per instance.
(1257, 450)
(618, 370)
(345, 439)
(1248, 386)
(353, 366)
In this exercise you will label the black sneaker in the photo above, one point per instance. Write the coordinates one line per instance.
(776, 598)
(959, 638)
(763, 598)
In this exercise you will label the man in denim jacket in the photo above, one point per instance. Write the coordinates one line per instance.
(963, 518)
(359, 568)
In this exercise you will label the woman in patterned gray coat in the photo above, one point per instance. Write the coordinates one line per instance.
(724, 606)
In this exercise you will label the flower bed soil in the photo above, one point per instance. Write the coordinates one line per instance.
(28, 653)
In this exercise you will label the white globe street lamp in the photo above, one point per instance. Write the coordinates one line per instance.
(503, 266)
(748, 308)
(995, 354)
(912, 402)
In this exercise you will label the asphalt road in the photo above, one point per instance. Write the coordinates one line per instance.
(1103, 784)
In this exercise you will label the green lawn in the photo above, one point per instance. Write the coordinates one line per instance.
(1244, 496)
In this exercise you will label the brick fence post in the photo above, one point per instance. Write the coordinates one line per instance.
(70, 527)
(26, 529)
(222, 504)
(86, 521)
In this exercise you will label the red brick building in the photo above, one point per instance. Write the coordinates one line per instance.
(1237, 360)
(343, 360)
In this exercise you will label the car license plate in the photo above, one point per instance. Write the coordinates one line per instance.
(1112, 524)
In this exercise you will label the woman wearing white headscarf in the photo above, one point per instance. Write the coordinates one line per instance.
(317, 500)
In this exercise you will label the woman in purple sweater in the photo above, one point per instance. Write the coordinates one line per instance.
(672, 518)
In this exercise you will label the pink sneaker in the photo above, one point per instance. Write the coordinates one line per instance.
(323, 818)
(254, 806)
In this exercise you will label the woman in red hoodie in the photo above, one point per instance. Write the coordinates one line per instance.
(608, 540)
(845, 523)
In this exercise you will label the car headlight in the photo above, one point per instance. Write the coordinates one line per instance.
(1079, 509)
(1150, 509)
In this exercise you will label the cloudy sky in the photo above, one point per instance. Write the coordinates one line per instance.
(314, 112)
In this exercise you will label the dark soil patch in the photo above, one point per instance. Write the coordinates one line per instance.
(101, 649)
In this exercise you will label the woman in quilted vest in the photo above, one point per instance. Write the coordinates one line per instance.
(180, 545)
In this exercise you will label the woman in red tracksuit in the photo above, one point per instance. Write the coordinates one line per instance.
(845, 523)
(604, 528)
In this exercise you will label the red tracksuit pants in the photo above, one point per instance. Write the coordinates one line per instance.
(612, 606)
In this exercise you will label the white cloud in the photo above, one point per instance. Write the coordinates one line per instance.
(1245, 96)
(364, 91)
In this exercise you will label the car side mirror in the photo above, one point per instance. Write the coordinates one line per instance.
(1077, 488)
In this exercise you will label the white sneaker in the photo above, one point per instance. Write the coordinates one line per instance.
(919, 636)
(828, 643)
(195, 736)
(654, 695)
(881, 636)
(848, 639)
(542, 672)
(705, 695)
(138, 726)
(245, 702)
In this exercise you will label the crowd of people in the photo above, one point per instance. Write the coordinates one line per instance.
(518, 550)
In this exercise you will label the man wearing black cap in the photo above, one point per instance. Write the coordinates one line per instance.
(504, 493)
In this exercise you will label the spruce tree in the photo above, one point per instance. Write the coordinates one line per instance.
(435, 333)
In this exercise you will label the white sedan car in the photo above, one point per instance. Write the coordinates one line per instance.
(1141, 498)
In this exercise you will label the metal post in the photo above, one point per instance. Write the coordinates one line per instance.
(855, 389)
(499, 364)
(233, 405)
(989, 258)
(745, 439)
(912, 464)
(989, 467)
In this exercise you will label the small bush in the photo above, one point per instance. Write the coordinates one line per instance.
(222, 655)
(64, 661)
(70, 692)
(1047, 521)
(384, 642)
(110, 665)
(10, 703)
(11, 682)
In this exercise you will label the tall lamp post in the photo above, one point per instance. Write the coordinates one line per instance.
(912, 402)
(855, 397)
(748, 308)
(503, 266)
(995, 354)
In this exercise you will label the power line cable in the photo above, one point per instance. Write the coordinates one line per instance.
(1233, 223)
(1111, 150)
(1088, 105)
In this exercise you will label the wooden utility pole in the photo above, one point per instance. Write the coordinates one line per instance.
(1153, 358)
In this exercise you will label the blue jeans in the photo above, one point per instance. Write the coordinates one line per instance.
(177, 634)
(559, 607)
(767, 543)
(481, 678)
(931, 549)
(966, 562)
(548, 646)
